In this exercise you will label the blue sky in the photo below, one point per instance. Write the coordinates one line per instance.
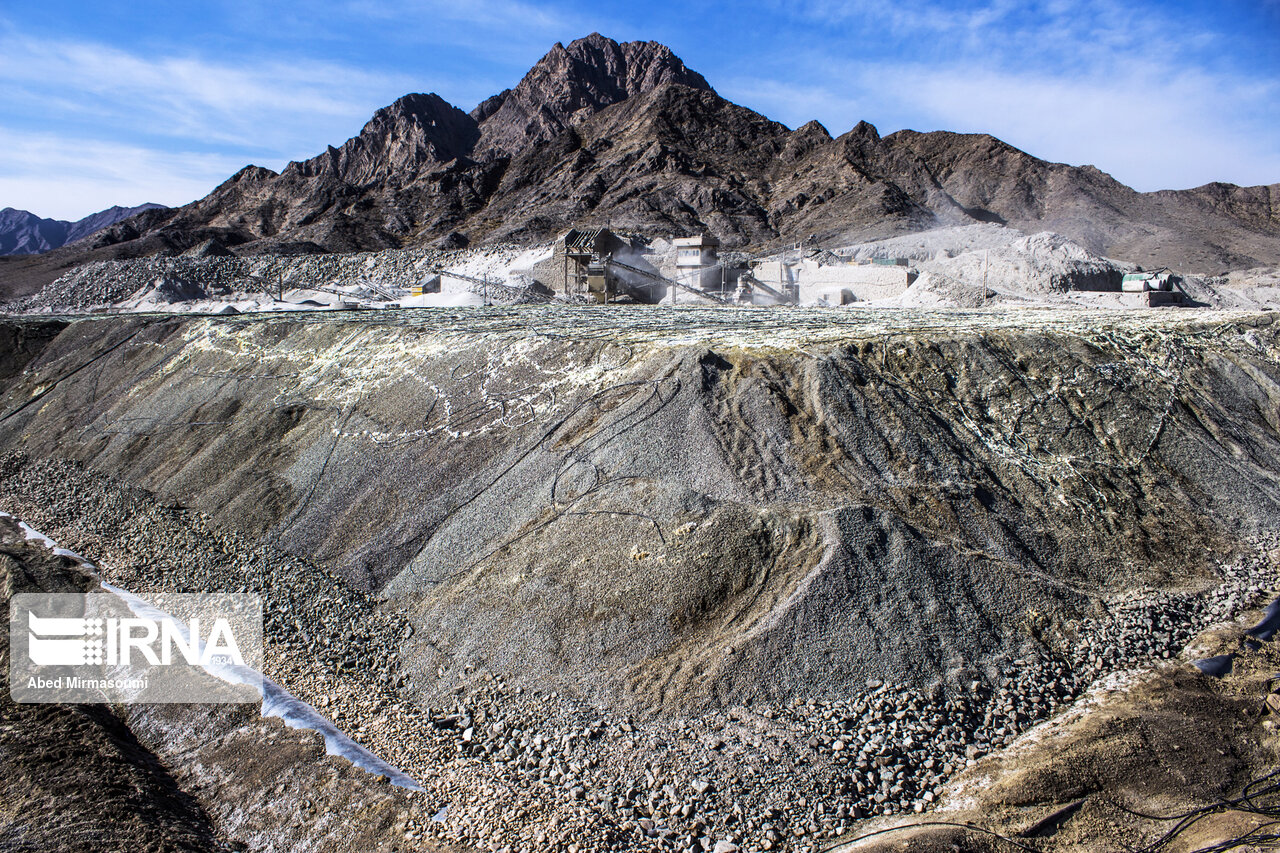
(112, 102)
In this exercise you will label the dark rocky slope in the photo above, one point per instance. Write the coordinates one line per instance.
(169, 777)
(571, 84)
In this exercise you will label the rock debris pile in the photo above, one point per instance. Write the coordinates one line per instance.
(957, 267)
(103, 283)
(506, 768)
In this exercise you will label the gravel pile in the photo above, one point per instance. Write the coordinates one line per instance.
(937, 243)
(105, 282)
(796, 776)
(957, 262)
(1040, 263)
(148, 548)
(508, 769)
(1036, 264)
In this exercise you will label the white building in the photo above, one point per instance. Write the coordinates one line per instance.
(836, 284)
(697, 263)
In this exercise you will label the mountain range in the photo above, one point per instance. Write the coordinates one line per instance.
(24, 233)
(625, 134)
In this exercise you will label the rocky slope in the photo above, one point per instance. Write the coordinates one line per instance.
(571, 84)
(698, 497)
(599, 131)
(661, 578)
(196, 778)
(24, 233)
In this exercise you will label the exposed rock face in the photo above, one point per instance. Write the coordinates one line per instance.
(625, 133)
(24, 233)
(371, 192)
(571, 84)
(415, 131)
(669, 159)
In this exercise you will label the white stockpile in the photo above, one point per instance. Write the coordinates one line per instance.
(504, 266)
(972, 266)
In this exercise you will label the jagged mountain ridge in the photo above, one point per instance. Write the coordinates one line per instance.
(25, 233)
(571, 84)
(625, 133)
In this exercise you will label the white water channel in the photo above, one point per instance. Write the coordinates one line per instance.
(276, 701)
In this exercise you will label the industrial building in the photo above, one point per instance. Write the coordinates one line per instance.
(585, 255)
(698, 264)
(806, 280)
(597, 265)
(1154, 289)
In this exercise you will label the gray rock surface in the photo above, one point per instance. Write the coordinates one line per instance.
(617, 580)
(533, 766)
(688, 517)
(571, 84)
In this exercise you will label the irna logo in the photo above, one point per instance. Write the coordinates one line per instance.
(61, 641)
(114, 646)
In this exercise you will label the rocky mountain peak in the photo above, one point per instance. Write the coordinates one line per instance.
(572, 83)
(416, 131)
(804, 139)
(250, 174)
(865, 130)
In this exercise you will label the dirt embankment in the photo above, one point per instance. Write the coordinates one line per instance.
(1163, 759)
(711, 513)
(831, 564)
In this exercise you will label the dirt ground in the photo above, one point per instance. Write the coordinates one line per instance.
(1157, 760)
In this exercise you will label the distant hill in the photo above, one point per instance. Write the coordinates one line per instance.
(602, 132)
(24, 233)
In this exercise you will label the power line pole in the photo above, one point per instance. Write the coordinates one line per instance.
(986, 265)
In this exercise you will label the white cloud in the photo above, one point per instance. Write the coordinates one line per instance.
(1101, 81)
(1014, 34)
(490, 14)
(494, 29)
(1141, 90)
(274, 105)
(794, 104)
(85, 125)
(61, 178)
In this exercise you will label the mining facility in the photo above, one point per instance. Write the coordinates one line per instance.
(589, 266)
(597, 265)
